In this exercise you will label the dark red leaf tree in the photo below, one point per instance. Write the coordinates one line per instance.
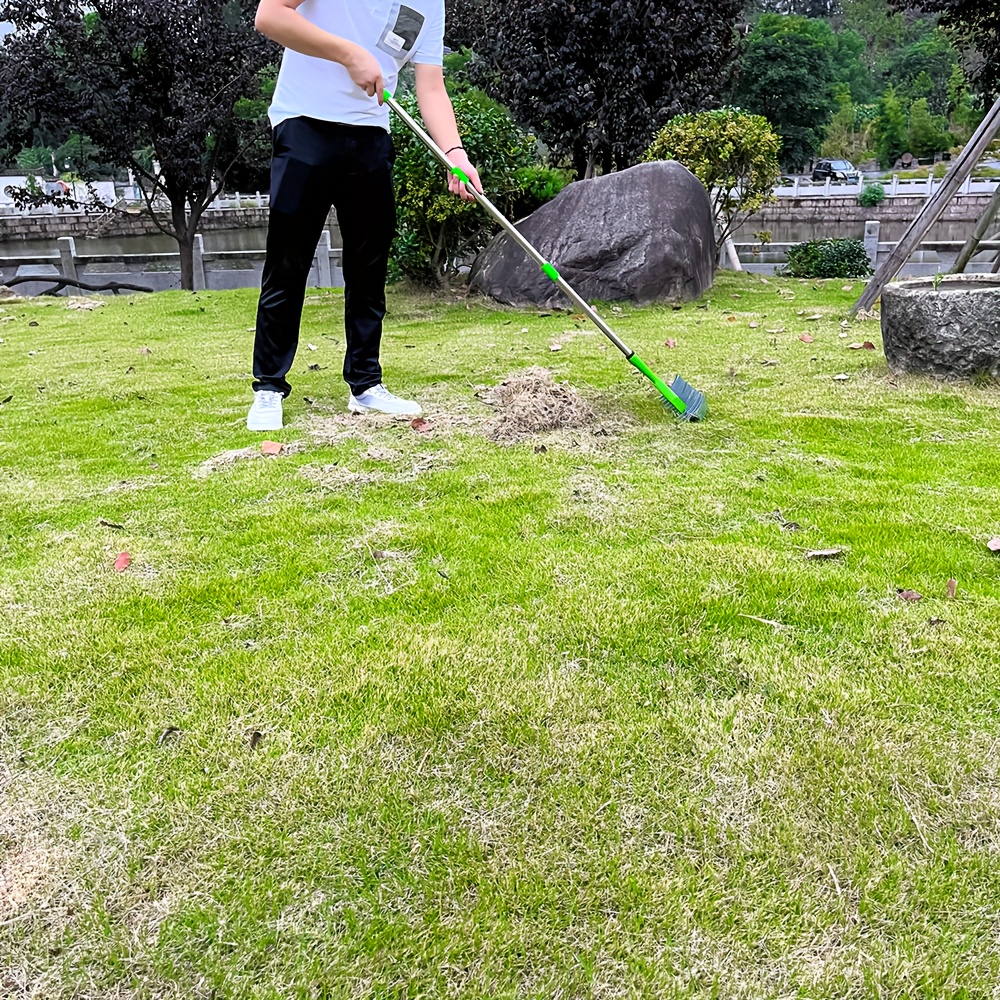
(596, 79)
(149, 82)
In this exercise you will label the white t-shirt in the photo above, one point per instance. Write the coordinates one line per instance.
(394, 31)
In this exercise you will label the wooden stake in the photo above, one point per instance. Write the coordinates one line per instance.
(932, 210)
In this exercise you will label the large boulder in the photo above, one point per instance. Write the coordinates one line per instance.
(947, 326)
(645, 234)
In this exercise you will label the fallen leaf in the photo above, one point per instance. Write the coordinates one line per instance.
(806, 339)
(855, 347)
(909, 595)
(171, 732)
(768, 362)
(730, 319)
(952, 588)
(555, 347)
(993, 545)
(843, 336)
(255, 737)
(676, 306)
(764, 281)
(312, 347)
(105, 523)
(34, 322)
(270, 448)
(868, 346)
(524, 329)
(847, 288)
(540, 449)
(841, 378)
(754, 326)
(123, 562)
(824, 553)
(443, 574)
(800, 312)
(670, 343)
(777, 329)
(420, 425)
(814, 317)
(7, 400)
(145, 350)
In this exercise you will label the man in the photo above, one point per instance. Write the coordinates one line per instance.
(332, 145)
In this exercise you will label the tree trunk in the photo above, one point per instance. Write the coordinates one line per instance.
(184, 234)
(591, 164)
(186, 247)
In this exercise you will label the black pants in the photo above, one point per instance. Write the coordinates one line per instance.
(316, 164)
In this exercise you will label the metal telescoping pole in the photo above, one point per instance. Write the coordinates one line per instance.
(510, 229)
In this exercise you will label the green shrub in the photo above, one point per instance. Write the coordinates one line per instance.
(732, 152)
(437, 231)
(828, 259)
(872, 195)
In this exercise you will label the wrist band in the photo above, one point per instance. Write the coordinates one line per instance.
(453, 148)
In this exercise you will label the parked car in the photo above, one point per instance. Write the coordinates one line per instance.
(837, 170)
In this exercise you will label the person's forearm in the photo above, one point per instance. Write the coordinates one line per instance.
(290, 29)
(439, 116)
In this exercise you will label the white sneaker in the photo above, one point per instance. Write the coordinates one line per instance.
(265, 414)
(378, 399)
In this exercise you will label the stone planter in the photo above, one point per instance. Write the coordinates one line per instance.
(953, 329)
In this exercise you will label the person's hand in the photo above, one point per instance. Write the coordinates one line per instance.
(366, 72)
(455, 184)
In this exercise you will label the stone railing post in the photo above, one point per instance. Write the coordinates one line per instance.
(67, 262)
(198, 263)
(323, 275)
(872, 230)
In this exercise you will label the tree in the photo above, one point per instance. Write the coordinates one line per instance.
(891, 131)
(927, 134)
(923, 68)
(733, 153)
(974, 21)
(787, 74)
(596, 79)
(849, 135)
(164, 76)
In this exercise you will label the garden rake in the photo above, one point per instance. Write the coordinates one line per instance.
(686, 401)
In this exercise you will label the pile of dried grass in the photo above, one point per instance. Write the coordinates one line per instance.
(534, 403)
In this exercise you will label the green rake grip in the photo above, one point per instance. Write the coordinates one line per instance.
(550, 272)
(665, 391)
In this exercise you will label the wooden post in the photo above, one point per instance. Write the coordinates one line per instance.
(985, 223)
(933, 209)
(67, 261)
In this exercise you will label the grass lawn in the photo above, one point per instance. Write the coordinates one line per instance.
(408, 714)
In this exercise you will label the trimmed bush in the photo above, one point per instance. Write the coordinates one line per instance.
(872, 195)
(732, 152)
(437, 231)
(828, 259)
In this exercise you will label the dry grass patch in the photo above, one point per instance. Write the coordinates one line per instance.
(533, 403)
